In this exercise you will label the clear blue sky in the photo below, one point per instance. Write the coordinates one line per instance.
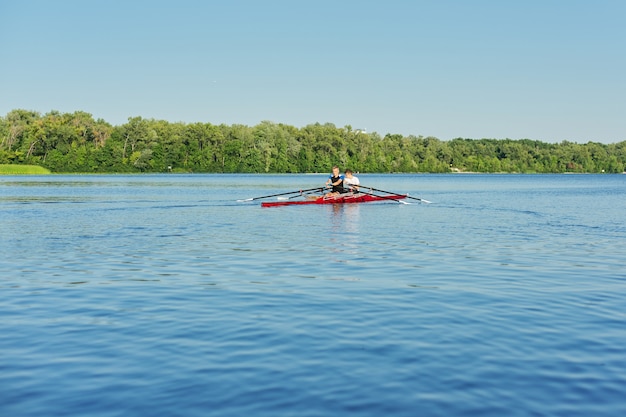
(539, 69)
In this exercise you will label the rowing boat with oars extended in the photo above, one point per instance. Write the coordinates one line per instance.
(348, 198)
(317, 196)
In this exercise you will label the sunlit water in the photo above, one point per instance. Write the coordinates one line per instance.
(164, 296)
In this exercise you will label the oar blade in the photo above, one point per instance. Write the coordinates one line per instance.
(421, 200)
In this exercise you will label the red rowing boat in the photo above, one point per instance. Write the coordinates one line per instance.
(337, 199)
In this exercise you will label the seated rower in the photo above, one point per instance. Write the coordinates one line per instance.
(351, 182)
(336, 181)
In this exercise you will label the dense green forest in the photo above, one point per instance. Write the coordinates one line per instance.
(76, 142)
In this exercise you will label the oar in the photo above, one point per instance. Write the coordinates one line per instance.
(274, 195)
(305, 193)
(380, 196)
(408, 196)
(300, 194)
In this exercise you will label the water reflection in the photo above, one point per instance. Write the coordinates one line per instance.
(345, 229)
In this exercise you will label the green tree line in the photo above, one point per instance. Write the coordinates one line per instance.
(76, 142)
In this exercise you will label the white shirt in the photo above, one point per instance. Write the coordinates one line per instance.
(347, 182)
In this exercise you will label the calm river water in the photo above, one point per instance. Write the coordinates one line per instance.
(161, 295)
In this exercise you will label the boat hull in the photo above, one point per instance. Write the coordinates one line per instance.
(340, 199)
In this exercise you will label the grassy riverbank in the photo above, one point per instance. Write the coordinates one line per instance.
(10, 169)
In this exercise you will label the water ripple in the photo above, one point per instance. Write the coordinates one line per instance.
(157, 295)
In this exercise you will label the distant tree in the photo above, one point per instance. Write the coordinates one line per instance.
(75, 142)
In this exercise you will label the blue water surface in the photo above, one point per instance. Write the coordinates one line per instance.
(162, 295)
